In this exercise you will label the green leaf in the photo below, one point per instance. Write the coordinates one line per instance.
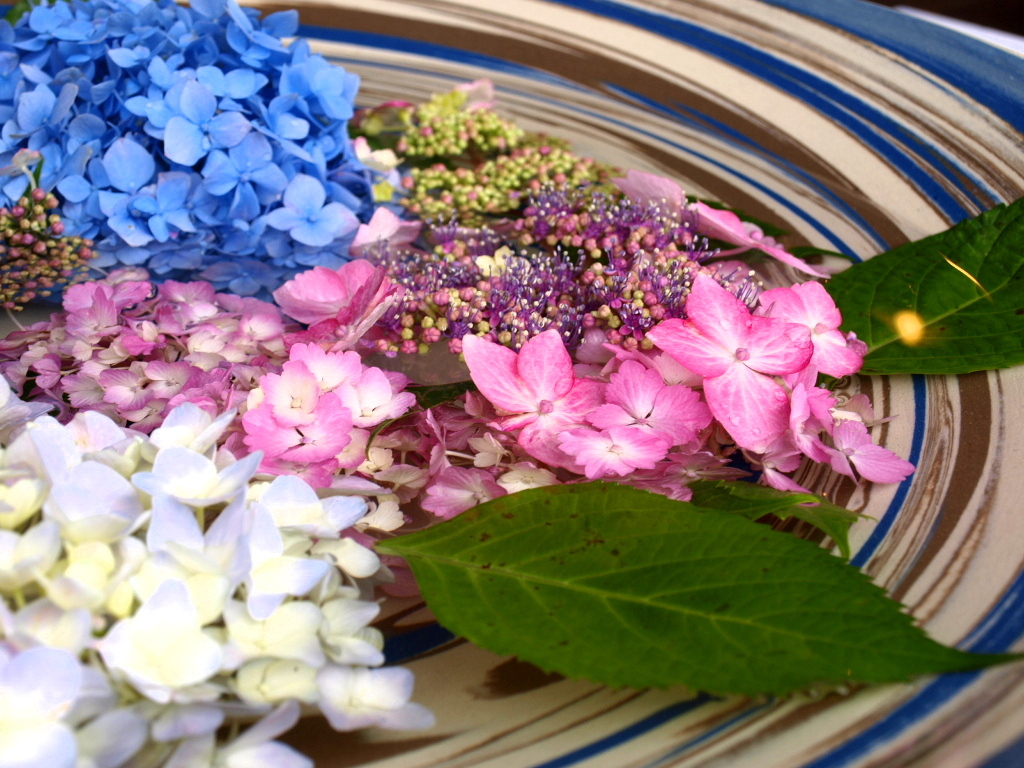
(429, 396)
(628, 588)
(755, 501)
(18, 10)
(950, 303)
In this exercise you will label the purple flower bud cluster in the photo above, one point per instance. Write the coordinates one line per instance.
(189, 140)
(133, 350)
(36, 258)
(585, 261)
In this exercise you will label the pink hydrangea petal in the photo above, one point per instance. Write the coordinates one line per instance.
(682, 340)
(805, 303)
(718, 314)
(753, 409)
(681, 413)
(872, 462)
(832, 354)
(384, 225)
(645, 187)
(778, 347)
(727, 226)
(313, 296)
(545, 367)
(635, 387)
(494, 369)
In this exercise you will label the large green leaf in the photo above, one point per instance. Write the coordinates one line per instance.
(627, 588)
(950, 303)
(756, 501)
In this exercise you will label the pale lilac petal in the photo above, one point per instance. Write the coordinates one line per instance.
(753, 409)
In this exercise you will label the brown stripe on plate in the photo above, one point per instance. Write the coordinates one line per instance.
(970, 465)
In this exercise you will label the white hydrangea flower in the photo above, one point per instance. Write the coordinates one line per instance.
(274, 574)
(21, 496)
(350, 556)
(253, 749)
(193, 479)
(524, 475)
(294, 505)
(488, 451)
(384, 515)
(24, 556)
(353, 698)
(290, 632)
(94, 503)
(112, 739)
(94, 574)
(42, 622)
(37, 688)
(271, 681)
(189, 426)
(346, 634)
(210, 564)
(162, 649)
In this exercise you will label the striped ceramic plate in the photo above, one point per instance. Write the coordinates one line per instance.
(856, 129)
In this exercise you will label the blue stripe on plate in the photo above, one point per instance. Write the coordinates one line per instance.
(990, 75)
(916, 445)
(637, 729)
(1011, 757)
(874, 128)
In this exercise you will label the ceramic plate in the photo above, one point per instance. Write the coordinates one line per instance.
(856, 129)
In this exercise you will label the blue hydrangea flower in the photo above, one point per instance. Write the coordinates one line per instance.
(192, 141)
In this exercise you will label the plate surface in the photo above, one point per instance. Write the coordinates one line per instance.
(856, 129)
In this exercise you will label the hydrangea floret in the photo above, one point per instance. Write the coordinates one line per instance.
(189, 140)
(143, 607)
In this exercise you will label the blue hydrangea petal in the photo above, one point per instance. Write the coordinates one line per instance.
(35, 107)
(270, 179)
(74, 189)
(172, 190)
(180, 218)
(128, 165)
(243, 83)
(183, 141)
(228, 128)
(133, 231)
(285, 219)
(305, 194)
(158, 228)
(86, 127)
(220, 175)
(245, 205)
(282, 23)
(197, 103)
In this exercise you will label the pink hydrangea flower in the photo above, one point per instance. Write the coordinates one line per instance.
(340, 305)
(738, 354)
(855, 450)
(811, 305)
(613, 451)
(535, 389)
(457, 489)
(638, 396)
(384, 228)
